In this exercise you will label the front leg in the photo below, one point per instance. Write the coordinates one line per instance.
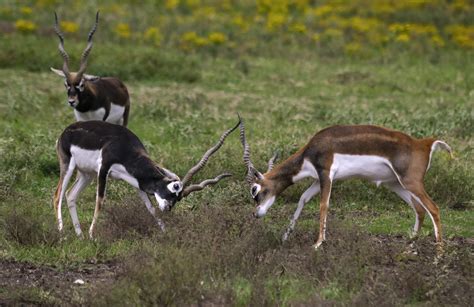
(150, 208)
(101, 184)
(305, 198)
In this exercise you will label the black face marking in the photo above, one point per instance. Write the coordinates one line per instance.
(160, 186)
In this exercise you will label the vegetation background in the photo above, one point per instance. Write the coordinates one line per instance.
(290, 67)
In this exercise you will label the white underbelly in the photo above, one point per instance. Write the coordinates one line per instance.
(115, 115)
(373, 168)
(91, 115)
(87, 161)
(118, 171)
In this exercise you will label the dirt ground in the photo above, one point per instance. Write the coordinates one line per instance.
(63, 285)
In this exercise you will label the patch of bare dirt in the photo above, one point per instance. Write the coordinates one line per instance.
(18, 280)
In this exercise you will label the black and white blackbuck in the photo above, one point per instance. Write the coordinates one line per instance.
(103, 150)
(92, 97)
(383, 156)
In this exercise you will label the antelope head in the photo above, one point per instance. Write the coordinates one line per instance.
(172, 189)
(74, 81)
(263, 189)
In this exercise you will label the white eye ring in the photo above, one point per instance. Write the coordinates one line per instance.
(255, 189)
(175, 187)
(80, 86)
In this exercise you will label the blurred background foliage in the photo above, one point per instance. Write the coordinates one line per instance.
(235, 27)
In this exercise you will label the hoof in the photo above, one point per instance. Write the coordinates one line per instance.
(317, 245)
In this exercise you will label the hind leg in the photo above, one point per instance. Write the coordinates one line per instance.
(419, 194)
(62, 185)
(72, 195)
(326, 185)
(408, 198)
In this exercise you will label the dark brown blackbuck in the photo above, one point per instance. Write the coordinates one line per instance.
(92, 97)
(103, 150)
(383, 156)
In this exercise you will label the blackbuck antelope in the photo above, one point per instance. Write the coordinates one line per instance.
(92, 97)
(105, 150)
(378, 154)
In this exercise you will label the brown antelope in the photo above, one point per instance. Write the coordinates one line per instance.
(92, 97)
(381, 155)
(105, 150)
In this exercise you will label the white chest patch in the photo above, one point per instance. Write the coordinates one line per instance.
(91, 115)
(307, 170)
(373, 168)
(87, 161)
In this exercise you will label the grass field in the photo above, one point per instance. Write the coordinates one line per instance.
(214, 251)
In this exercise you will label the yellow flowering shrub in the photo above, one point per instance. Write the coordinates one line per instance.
(171, 4)
(353, 48)
(403, 38)
(26, 10)
(298, 27)
(25, 26)
(217, 38)
(462, 35)
(153, 35)
(123, 30)
(69, 26)
(190, 39)
(275, 21)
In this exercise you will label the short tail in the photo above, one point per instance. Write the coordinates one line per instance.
(438, 145)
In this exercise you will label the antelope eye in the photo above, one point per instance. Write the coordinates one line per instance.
(254, 190)
(175, 187)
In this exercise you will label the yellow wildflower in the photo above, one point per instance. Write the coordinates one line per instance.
(275, 21)
(189, 36)
(25, 10)
(153, 34)
(332, 33)
(194, 39)
(461, 35)
(323, 10)
(298, 28)
(69, 26)
(123, 30)
(25, 25)
(240, 22)
(363, 24)
(316, 37)
(353, 47)
(460, 5)
(171, 4)
(437, 41)
(217, 38)
(403, 38)
(193, 3)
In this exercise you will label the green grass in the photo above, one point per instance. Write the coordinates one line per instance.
(211, 237)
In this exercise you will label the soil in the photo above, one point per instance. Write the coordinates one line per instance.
(16, 278)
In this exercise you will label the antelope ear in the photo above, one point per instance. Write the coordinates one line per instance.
(90, 77)
(257, 174)
(58, 72)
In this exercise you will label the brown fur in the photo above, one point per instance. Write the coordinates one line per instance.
(408, 156)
